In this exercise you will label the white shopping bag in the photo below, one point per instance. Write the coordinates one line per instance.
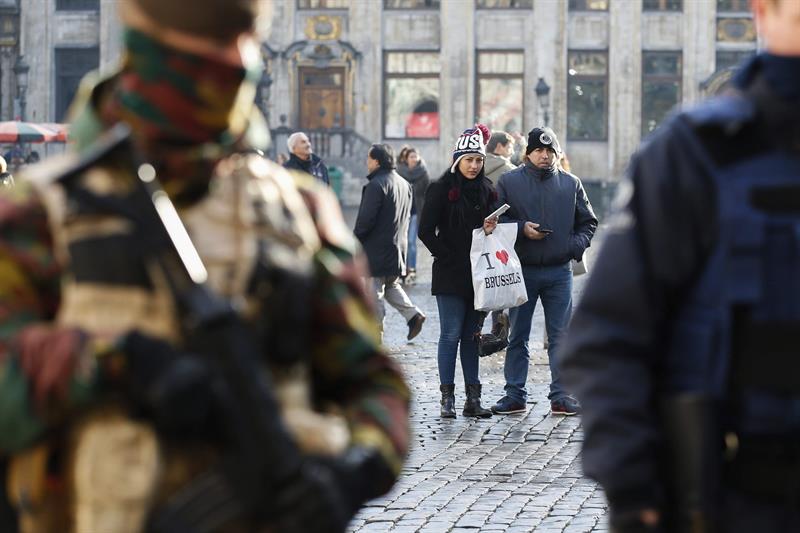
(496, 270)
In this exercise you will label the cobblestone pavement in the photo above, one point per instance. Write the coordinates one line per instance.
(512, 473)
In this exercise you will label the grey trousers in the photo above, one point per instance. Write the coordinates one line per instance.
(390, 290)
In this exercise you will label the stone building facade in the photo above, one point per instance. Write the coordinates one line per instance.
(418, 72)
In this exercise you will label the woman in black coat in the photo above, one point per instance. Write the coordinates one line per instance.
(456, 204)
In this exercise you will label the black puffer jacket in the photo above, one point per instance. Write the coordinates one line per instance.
(454, 206)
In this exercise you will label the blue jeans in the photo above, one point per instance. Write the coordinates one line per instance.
(412, 242)
(458, 322)
(553, 284)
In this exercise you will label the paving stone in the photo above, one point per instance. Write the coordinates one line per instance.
(515, 473)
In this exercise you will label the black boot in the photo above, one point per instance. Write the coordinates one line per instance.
(472, 407)
(448, 401)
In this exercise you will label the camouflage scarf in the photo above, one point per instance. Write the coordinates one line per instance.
(187, 111)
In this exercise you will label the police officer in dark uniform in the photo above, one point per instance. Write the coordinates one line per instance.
(683, 350)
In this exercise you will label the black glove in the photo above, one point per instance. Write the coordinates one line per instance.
(172, 388)
(328, 492)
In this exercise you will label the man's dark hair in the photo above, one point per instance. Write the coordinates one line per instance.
(498, 137)
(383, 154)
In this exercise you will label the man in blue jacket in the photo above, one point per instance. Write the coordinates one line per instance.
(556, 224)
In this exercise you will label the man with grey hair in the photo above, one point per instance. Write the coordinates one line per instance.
(302, 158)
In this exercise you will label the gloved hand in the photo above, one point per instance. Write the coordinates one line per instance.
(328, 492)
(172, 388)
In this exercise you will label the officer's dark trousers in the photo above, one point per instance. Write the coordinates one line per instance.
(746, 514)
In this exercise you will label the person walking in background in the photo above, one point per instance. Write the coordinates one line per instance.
(382, 227)
(556, 224)
(498, 153)
(456, 204)
(684, 348)
(6, 179)
(411, 166)
(303, 159)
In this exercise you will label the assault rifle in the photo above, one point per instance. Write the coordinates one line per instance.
(259, 454)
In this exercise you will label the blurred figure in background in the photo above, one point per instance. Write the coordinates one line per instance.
(412, 167)
(6, 179)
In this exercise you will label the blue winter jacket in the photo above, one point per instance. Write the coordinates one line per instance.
(554, 199)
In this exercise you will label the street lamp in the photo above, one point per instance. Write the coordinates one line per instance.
(21, 69)
(543, 96)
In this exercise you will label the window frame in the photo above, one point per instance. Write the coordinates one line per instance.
(742, 11)
(585, 9)
(662, 78)
(437, 7)
(495, 76)
(518, 8)
(590, 77)
(386, 76)
(66, 8)
(59, 73)
(645, 9)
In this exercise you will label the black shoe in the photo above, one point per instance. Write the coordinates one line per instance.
(448, 401)
(565, 406)
(415, 325)
(472, 407)
(508, 406)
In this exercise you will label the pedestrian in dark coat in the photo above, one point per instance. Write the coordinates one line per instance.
(455, 205)
(411, 166)
(382, 228)
(303, 159)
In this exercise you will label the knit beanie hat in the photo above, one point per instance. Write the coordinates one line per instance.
(472, 141)
(542, 138)
(217, 19)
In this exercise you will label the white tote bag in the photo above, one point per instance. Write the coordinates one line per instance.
(496, 270)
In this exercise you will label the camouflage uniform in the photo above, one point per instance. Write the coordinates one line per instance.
(70, 285)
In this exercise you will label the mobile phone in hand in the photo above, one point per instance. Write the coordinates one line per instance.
(544, 230)
(500, 210)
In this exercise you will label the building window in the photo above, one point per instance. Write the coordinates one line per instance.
(588, 5)
(77, 5)
(661, 87)
(587, 86)
(733, 6)
(411, 4)
(71, 66)
(731, 58)
(411, 95)
(736, 30)
(323, 4)
(662, 5)
(499, 93)
(504, 4)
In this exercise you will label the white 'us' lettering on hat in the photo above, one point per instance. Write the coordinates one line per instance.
(473, 141)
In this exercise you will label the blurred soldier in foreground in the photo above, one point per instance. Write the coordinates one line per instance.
(684, 349)
(111, 421)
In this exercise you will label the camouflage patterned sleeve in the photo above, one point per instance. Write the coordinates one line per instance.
(351, 369)
(43, 369)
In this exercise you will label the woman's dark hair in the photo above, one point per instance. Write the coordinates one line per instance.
(383, 154)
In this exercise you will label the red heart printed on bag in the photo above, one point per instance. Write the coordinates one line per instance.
(502, 255)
